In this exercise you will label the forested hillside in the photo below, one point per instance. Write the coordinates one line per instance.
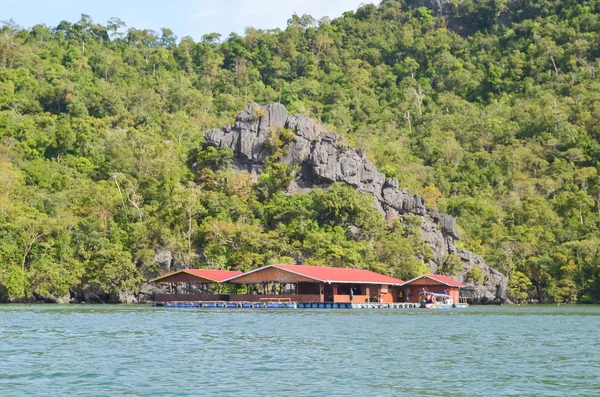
(490, 111)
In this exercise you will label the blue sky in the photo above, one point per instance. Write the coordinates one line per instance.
(184, 17)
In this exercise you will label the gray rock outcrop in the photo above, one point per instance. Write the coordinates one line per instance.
(493, 288)
(323, 158)
(164, 258)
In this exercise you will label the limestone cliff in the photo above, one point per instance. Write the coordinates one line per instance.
(323, 158)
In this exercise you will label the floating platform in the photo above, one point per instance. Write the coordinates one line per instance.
(229, 305)
(287, 305)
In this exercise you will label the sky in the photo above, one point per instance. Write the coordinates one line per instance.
(184, 17)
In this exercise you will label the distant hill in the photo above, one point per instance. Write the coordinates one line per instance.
(487, 109)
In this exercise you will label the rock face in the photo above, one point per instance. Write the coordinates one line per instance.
(147, 292)
(494, 287)
(323, 159)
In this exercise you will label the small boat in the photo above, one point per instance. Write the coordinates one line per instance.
(432, 300)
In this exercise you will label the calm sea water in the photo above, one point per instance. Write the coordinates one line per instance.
(144, 351)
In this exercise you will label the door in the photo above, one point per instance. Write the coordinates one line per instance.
(328, 292)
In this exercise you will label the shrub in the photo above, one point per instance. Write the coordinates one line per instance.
(475, 275)
(451, 265)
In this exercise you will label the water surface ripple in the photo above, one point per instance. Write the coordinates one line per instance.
(139, 351)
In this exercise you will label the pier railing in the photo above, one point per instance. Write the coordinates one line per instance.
(284, 300)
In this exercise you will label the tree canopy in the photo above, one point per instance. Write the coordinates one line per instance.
(491, 112)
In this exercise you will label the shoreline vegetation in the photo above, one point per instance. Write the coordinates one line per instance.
(489, 110)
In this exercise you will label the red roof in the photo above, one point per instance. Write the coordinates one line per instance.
(208, 274)
(336, 274)
(439, 278)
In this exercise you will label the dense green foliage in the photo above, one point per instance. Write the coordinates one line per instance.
(497, 125)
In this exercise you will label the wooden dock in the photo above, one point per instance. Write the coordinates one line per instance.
(285, 304)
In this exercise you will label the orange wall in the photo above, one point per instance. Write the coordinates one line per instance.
(346, 298)
(373, 291)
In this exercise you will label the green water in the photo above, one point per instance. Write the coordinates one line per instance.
(143, 351)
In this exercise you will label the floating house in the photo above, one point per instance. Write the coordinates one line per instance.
(282, 283)
(196, 285)
(300, 283)
(431, 283)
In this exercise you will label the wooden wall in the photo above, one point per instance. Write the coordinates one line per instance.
(292, 298)
(271, 274)
(184, 278)
(189, 297)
